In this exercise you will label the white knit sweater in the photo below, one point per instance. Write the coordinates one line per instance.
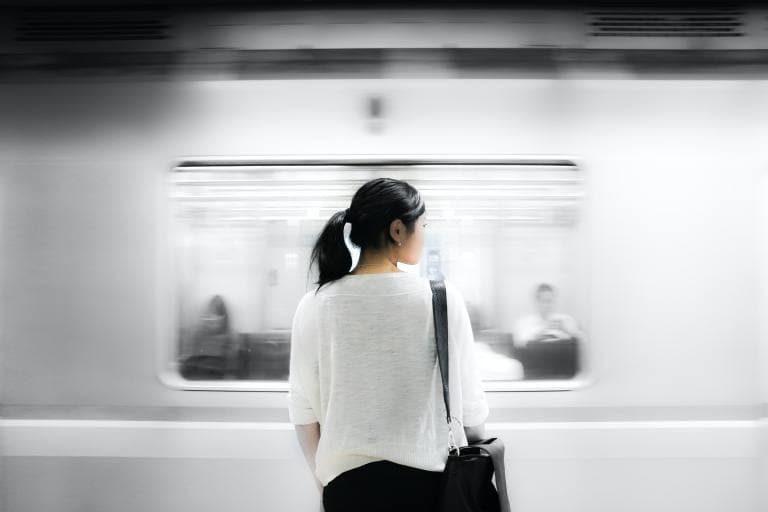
(363, 364)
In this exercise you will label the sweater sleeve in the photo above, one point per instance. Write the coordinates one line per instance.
(474, 403)
(302, 362)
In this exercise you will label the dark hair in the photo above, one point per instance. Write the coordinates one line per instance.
(544, 287)
(217, 307)
(374, 206)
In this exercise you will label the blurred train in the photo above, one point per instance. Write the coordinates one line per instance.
(596, 182)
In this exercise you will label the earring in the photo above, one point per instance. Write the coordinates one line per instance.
(399, 243)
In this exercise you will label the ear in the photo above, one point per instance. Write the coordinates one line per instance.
(396, 226)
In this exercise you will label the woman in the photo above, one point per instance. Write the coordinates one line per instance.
(365, 389)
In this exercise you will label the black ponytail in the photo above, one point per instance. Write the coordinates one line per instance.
(374, 206)
(330, 251)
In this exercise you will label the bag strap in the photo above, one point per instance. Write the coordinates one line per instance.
(440, 313)
(494, 449)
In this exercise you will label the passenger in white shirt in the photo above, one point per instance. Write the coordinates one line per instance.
(546, 325)
(365, 390)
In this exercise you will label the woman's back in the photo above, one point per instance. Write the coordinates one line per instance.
(363, 365)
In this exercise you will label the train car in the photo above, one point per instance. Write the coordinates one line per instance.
(165, 171)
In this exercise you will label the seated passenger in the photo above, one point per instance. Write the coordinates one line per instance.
(545, 325)
(211, 355)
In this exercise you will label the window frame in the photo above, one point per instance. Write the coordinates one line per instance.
(167, 318)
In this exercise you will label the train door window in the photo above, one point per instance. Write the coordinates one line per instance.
(508, 232)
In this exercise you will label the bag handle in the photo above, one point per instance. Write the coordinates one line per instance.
(496, 451)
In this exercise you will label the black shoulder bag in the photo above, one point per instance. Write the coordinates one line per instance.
(466, 485)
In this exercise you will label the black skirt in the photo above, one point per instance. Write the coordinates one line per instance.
(383, 486)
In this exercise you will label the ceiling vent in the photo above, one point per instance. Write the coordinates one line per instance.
(88, 30)
(675, 29)
(92, 25)
(666, 23)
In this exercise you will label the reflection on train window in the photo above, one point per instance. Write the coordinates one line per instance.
(507, 233)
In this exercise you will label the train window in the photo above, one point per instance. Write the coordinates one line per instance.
(508, 232)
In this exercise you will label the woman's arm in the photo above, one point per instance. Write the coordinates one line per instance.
(302, 381)
(309, 437)
(473, 400)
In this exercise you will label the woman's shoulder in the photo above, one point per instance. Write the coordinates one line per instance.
(308, 303)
